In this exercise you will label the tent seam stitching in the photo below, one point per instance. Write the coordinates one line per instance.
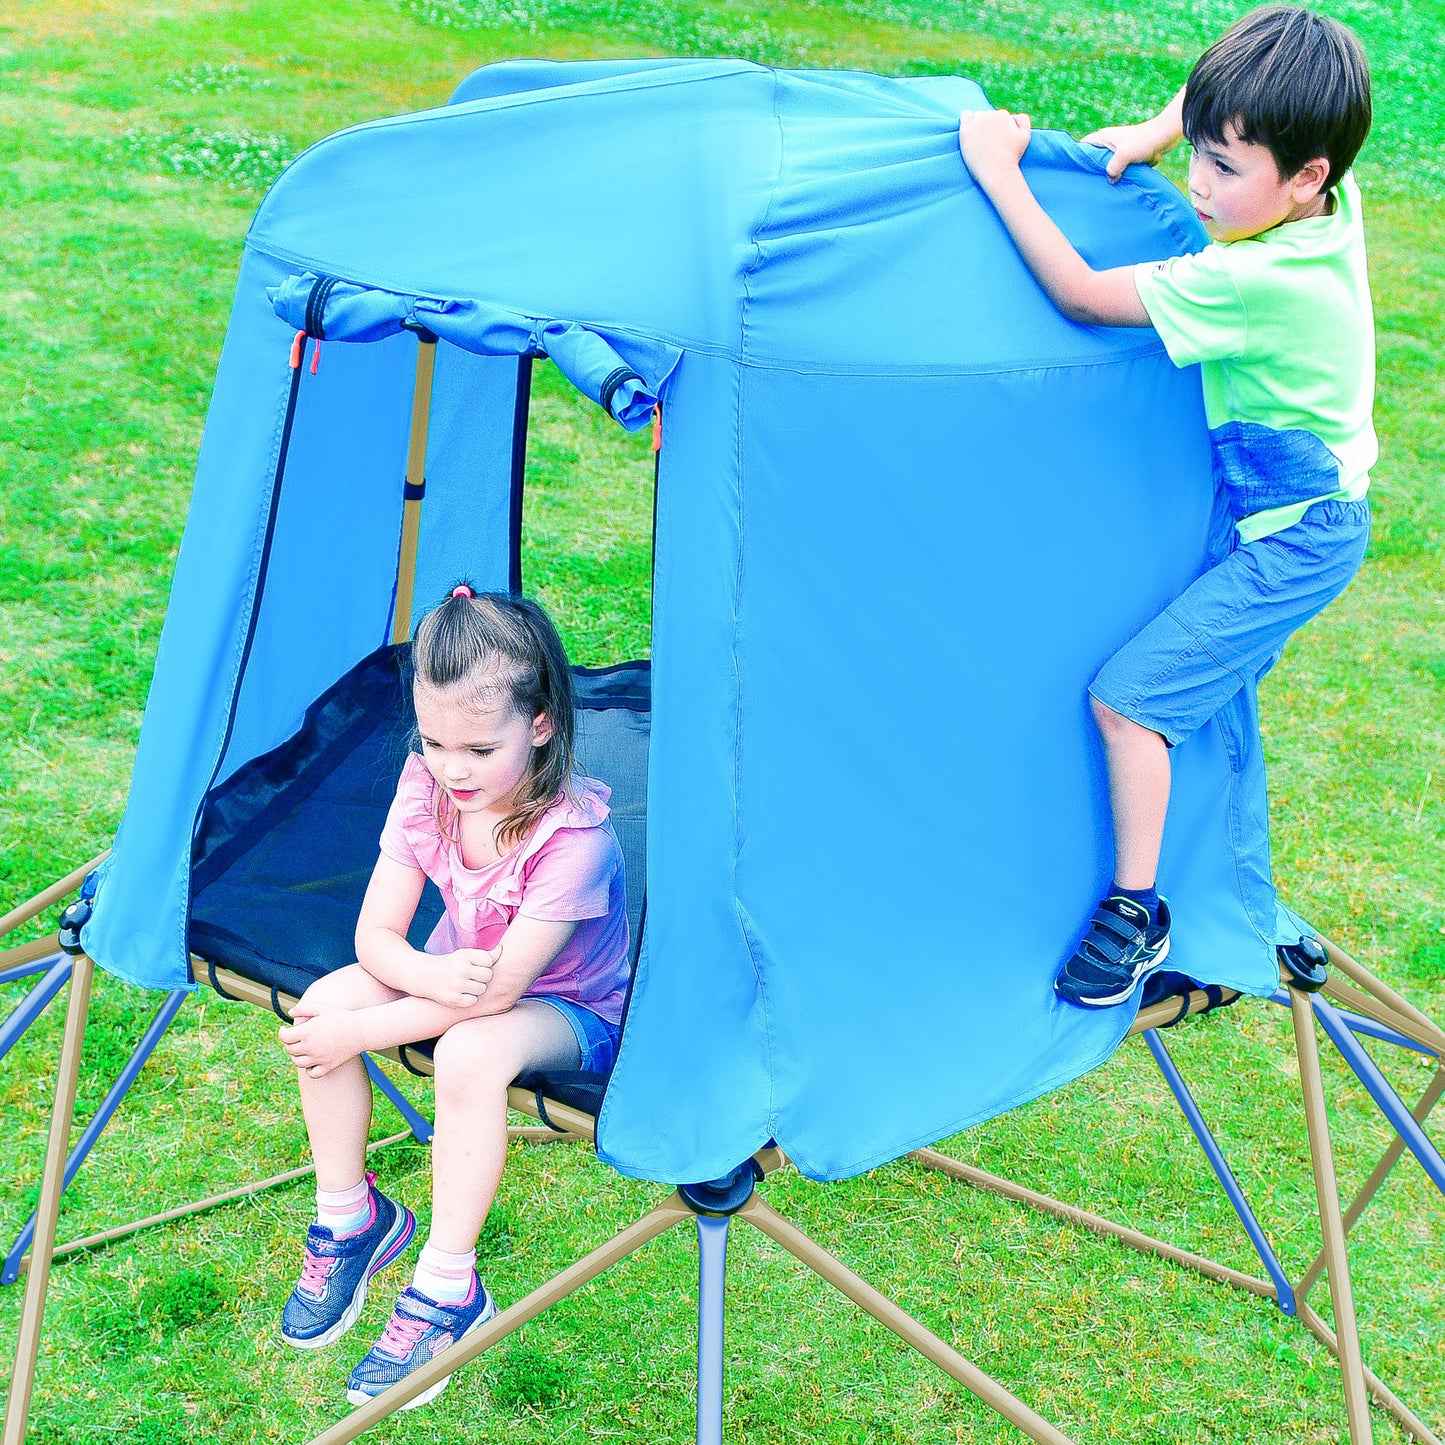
(738, 411)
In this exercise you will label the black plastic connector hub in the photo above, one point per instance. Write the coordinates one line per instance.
(1305, 963)
(71, 922)
(723, 1196)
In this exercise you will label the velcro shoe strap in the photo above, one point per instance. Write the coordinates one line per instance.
(325, 1245)
(412, 1304)
(1105, 920)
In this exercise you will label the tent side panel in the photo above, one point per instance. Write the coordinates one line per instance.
(138, 931)
(689, 1098)
(325, 594)
(923, 816)
(330, 586)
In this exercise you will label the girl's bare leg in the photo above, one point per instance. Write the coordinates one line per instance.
(337, 1106)
(1138, 763)
(475, 1062)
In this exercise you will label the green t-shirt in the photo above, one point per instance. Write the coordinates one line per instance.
(1282, 329)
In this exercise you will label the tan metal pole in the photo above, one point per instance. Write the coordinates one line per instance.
(908, 1329)
(1410, 1422)
(29, 952)
(1357, 1000)
(1166, 1011)
(184, 1211)
(671, 1211)
(426, 355)
(24, 912)
(32, 1316)
(1096, 1223)
(1371, 1186)
(1322, 1157)
(1426, 1030)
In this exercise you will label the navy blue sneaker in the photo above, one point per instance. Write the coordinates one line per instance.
(1119, 949)
(420, 1328)
(335, 1272)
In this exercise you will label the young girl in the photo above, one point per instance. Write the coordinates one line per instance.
(526, 969)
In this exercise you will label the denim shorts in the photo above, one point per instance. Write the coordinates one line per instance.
(596, 1038)
(1227, 629)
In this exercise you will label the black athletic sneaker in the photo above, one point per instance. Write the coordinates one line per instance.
(1117, 951)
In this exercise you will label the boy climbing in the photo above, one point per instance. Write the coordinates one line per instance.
(1276, 312)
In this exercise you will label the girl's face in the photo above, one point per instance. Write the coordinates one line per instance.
(478, 754)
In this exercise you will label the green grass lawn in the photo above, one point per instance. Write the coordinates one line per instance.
(135, 140)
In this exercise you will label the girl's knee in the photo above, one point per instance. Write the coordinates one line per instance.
(349, 987)
(472, 1055)
(326, 992)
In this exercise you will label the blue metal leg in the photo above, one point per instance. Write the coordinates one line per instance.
(1390, 1103)
(419, 1124)
(1284, 1293)
(28, 970)
(712, 1246)
(34, 1003)
(1368, 1028)
(162, 1021)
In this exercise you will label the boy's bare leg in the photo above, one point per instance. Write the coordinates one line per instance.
(1138, 763)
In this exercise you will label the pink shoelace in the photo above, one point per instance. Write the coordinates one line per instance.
(315, 1271)
(401, 1334)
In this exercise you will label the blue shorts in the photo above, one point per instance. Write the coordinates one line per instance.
(1227, 629)
(596, 1038)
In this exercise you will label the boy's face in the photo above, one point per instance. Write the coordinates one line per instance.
(1237, 191)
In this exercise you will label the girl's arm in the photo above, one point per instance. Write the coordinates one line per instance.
(319, 1042)
(993, 143)
(456, 979)
(1149, 140)
(526, 949)
(386, 913)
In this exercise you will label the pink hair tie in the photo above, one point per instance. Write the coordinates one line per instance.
(463, 591)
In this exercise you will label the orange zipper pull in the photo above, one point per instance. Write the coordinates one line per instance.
(316, 359)
(657, 427)
(297, 342)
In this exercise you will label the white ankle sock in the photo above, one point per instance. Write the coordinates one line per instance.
(344, 1211)
(442, 1276)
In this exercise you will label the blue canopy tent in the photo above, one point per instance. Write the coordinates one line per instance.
(884, 457)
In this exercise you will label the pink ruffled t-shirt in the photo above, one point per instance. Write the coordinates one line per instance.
(567, 869)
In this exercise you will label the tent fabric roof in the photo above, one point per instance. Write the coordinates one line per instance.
(719, 207)
(890, 471)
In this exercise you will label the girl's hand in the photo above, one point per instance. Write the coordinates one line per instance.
(458, 979)
(321, 1042)
(992, 142)
(1131, 144)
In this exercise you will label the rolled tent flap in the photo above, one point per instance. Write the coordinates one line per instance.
(622, 374)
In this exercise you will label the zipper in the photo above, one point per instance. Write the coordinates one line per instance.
(259, 590)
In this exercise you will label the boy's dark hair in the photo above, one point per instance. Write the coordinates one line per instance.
(1288, 79)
